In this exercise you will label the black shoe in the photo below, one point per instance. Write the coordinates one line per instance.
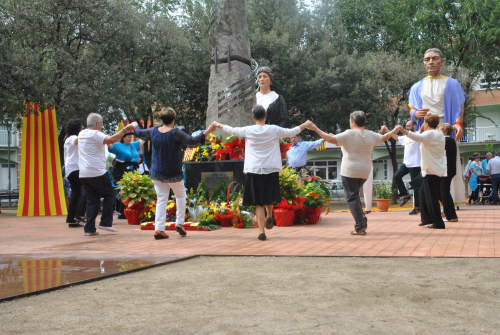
(74, 225)
(434, 227)
(424, 224)
(414, 211)
(404, 201)
(269, 223)
(80, 219)
(262, 237)
(180, 229)
(121, 217)
(366, 222)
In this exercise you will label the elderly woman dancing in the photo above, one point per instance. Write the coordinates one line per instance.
(166, 167)
(262, 164)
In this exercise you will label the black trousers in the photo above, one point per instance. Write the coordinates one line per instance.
(351, 191)
(95, 189)
(430, 211)
(398, 176)
(77, 202)
(446, 199)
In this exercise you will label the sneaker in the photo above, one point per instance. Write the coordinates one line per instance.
(404, 201)
(107, 228)
(358, 232)
(92, 234)
(80, 219)
(414, 211)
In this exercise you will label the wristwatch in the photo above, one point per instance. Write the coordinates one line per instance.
(218, 125)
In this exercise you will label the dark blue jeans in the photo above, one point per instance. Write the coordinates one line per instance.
(95, 189)
(398, 176)
(495, 185)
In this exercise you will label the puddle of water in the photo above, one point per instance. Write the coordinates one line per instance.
(19, 276)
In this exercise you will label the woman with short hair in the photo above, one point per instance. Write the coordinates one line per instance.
(476, 168)
(262, 164)
(77, 202)
(167, 170)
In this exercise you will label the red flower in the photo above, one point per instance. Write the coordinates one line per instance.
(311, 178)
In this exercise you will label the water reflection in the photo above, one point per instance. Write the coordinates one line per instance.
(20, 276)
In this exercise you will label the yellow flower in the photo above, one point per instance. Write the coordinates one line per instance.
(215, 147)
(212, 136)
(170, 206)
(197, 149)
(205, 153)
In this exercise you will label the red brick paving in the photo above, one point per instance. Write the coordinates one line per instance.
(390, 234)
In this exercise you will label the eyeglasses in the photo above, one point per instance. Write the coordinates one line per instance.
(435, 58)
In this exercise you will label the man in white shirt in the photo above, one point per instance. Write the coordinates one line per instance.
(411, 165)
(493, 167)
(93, 174)
(433, 169)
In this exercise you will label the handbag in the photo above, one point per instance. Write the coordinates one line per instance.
(416, 183)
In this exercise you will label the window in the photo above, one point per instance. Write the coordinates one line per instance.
(324, 169)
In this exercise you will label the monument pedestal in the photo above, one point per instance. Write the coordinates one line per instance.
(212, 173)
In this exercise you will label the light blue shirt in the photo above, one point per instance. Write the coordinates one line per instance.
(485, 163)
(126, 153)
(297, 155)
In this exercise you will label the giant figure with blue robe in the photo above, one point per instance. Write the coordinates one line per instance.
(445, 97)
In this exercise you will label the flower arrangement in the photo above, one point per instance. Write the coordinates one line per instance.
(314, 195)
(284, 147)
(135, 187)
(384, 190)
(289, 184)
(316, 181)
(242, 219)
(149, 212)
(209, 223)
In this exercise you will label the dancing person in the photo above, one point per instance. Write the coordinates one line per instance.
(167, 170)
(273, 103)
(494, 173)
(127, 159)
(297, 154)
(77, 203)
(445, 97)
(476, 168)
(411, 165)
(450, 148)
(433, 169)
(357, 146)
(93, 174)
(262, 164)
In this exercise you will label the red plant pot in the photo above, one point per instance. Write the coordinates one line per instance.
(309, 216)
(133, 215)
(284, 217)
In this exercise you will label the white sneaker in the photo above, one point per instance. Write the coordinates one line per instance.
(92, 234)
(107, 228)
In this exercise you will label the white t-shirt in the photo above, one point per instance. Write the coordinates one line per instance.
(262, 150)
(266, 99)
(432, 151)
(92, 153)
(70, 155)
(357, 147)
(412, 155)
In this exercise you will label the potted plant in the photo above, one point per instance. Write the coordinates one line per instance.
(290, 188)
(315, 201)
(383, 195)
(136, 190)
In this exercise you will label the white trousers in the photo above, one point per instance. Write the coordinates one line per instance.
(368, 191)
(162, 193)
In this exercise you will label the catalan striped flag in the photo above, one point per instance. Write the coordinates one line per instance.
(322, 147)
(41, 191)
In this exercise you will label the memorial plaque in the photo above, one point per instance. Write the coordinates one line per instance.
(213, 179)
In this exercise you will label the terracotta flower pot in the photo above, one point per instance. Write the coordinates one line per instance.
(383, 204)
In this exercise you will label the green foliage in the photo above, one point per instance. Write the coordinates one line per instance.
(220, 193)
(137, 188)
(209, 222)
(289, 184)
(384, 190)
(315, 196)
(202, 191)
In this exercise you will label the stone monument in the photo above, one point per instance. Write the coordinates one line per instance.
(232, 85)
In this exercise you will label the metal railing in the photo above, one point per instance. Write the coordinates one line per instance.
(481, 134)
(14, 139)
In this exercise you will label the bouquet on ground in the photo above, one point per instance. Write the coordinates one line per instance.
(284, 147)
(242, 219)
(136, 189)
(148, 214)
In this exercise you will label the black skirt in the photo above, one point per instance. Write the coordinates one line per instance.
(262, 189)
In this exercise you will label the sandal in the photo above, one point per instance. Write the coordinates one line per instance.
(269, 223)
(262, 237)
(180, 229)
(160, 235)
(358, 232)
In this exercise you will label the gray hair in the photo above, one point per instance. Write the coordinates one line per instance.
(436, 50)
(93, 119)
(489, 153)
(359, 118)
(267, 70)
(497, 153)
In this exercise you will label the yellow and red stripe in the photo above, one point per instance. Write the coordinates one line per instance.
(41, 190)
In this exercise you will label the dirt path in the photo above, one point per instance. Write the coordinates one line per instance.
(274, 295)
